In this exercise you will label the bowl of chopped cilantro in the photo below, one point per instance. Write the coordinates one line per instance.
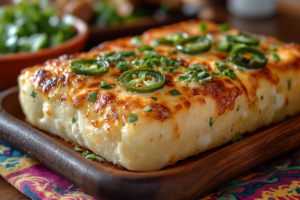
(33, 32)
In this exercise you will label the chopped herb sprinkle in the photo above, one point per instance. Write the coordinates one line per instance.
(136, 40)
(276, 57)
(117, 79)
(289, 84)
(238, 137)
(77, 149)
(195, 73)
(216, 75)
(174, 92)
(225, 27)
(145, 48)
(172, 51)
(33, 94)
(101, 115)
(262, 97)
(132, 117)
(238, 108)
(154, 98)
(91, 156)
(148, 109)
(99, 158)
(84, 154)
(73, 120)
(203, 27)
(225, 69)
(211, 121)
(92, 96)
(104, 86)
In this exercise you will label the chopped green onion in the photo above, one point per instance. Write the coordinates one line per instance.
(92, 96)
(262, 97)
(211, 121)
(238, 137)
(91, 156)
(101, 115)
(154, 98)
(148, 109)
(276, 57)
(216, 75)
(33, 94)
(123, 65)
(144, 48)
(238, 108)
(117, 79)
(203, 27)
(77, 149)
(203, 80)
(136, 40)
(232, 76)
(84, 154)
(289, 84)
(132, 117)
(172, 51)
(73, 120)
(225, 27)
(99, 158)
(174, 92)
(104, 86)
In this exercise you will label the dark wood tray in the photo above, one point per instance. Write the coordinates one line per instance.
(188, 179)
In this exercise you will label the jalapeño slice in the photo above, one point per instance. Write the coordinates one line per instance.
(142, 80)
(89, 67)
(193, 45)
(170, 39)
(246, 39)
(249, 58)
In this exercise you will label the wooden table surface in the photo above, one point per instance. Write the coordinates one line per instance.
(284, 25)
(8, 192)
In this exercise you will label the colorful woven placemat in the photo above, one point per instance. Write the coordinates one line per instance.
(277, 180)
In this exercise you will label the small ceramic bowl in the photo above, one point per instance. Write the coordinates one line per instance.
(12, 64)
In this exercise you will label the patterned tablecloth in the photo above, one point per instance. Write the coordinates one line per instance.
(279, 179)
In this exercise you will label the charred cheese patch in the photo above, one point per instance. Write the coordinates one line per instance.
(178, 126)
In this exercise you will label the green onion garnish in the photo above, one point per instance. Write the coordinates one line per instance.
(99, 158)
(203, 27)
(225, 27)
(92, 96)
(148, 109)
(132, 117)
(276, 57)
(154, 98)
(104, 86)
(211, 121)
(77, 149)
(33, 94)
(238, 137)
(174, 92)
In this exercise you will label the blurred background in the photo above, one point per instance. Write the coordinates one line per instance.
(35, 26)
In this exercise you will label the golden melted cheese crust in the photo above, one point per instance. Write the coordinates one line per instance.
(178, 126)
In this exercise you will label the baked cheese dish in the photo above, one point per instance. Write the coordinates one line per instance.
(146, 102)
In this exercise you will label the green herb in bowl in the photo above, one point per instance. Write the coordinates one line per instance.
(28, 26)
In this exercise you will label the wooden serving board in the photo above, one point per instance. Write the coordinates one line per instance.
(188, 179)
